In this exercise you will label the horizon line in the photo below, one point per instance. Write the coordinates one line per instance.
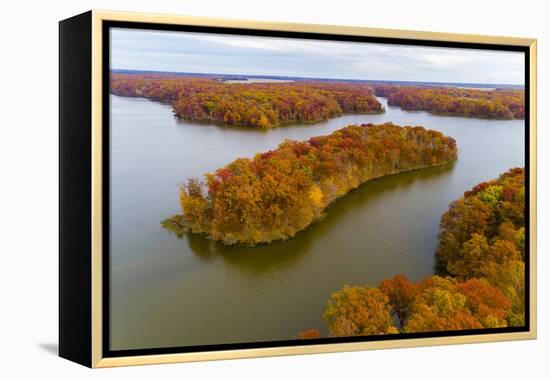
(313, 78)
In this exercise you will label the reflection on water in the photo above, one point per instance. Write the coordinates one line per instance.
(169, 291)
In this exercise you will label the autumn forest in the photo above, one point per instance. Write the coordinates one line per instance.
(480, 281)
(464, 102)
(283, 191)
(268, 105)
(262, 105)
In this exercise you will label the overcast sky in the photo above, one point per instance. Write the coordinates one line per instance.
(227, 54)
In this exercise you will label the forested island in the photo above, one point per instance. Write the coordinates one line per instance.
(466, 102)
(280, 192)
(258, 105)
(480, 281)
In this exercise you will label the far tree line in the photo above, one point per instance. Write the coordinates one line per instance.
(465, 102)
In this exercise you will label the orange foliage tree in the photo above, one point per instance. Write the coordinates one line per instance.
(401, 293)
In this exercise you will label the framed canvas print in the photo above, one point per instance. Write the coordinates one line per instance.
(235, 189)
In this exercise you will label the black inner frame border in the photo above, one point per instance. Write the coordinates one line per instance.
(105, 275)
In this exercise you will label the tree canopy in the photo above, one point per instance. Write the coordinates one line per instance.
(496, 103)
(483, 236)
(260, 105)
(481, 274)
(358, 311)
(433, 304)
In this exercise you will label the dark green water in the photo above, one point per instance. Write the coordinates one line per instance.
(167, 291)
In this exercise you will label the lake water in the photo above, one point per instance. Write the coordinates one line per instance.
(168, 292)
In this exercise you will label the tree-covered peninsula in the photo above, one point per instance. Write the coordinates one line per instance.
(258, 105)
(280, 192)
(481, 274)
(465, 102)
(483, 236)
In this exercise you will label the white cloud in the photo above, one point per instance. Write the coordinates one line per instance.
(216, 53)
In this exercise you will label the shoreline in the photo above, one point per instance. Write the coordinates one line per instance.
(172, 223)
(200, 212)
(249, 127)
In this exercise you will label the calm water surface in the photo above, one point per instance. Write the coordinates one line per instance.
(167, 291)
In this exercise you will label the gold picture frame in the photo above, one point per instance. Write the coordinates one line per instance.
(86, 32)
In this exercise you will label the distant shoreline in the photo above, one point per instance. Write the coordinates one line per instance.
(226, 77)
